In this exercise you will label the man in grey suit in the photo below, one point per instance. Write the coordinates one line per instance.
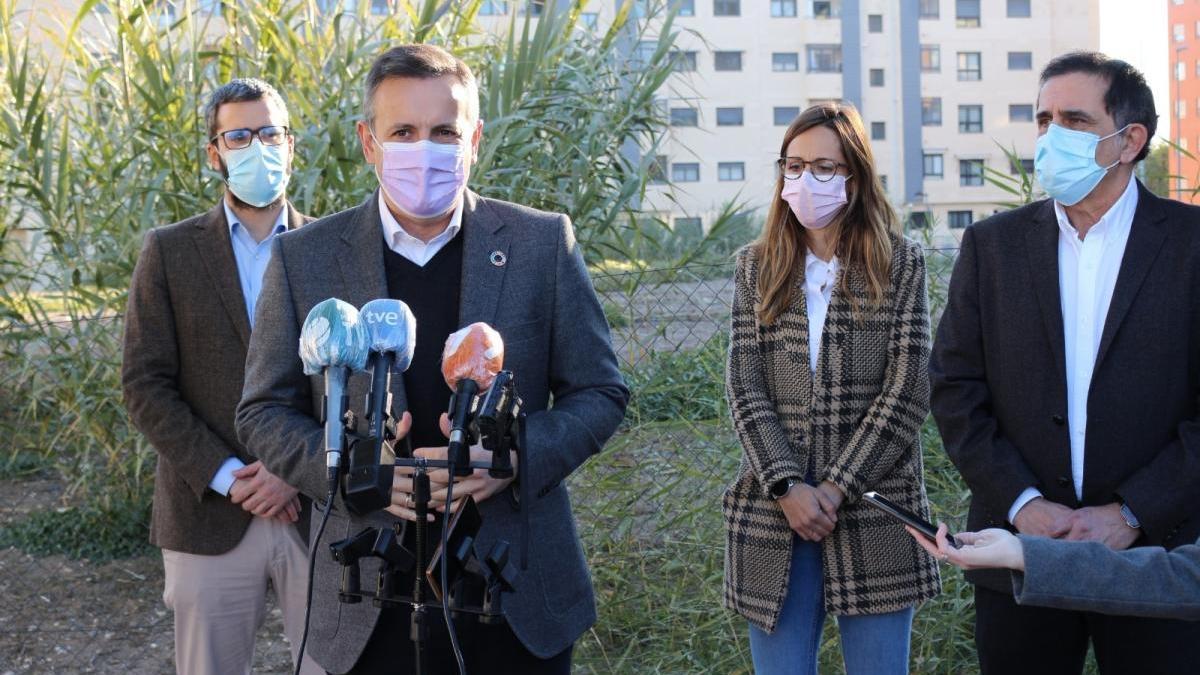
(1066, 372)
(225, 524)
(455, 258)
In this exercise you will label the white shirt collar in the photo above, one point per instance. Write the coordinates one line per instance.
(232, 220)
(818, 274)
(398, 238)
(1119, 215)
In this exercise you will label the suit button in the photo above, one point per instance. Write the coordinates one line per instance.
(1059, 420)
(1063, 481)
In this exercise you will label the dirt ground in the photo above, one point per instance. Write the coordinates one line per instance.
(75, 616)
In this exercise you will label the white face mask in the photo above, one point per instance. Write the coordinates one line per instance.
(814, 202)
(423, 178)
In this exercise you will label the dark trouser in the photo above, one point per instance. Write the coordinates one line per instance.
(1021, 639)
(487, 649)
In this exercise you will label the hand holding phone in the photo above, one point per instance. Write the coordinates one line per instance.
(907, 517)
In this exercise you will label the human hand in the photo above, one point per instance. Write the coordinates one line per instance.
(1104, 524)
(263, 493)
(833, 492)
(479, 484)
(1043, 518)
(987, 549)
(809, 512)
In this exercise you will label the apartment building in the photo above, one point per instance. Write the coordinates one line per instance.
(1183, 53)
(942, 86)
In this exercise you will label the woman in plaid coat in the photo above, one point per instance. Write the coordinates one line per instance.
(828, 386)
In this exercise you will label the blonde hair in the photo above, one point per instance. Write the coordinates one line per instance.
(860, 231)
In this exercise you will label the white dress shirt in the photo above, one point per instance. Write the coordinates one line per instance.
(819, 279)
(1087, 276)
(416, 251)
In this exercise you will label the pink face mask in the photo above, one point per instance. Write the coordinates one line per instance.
(815, 203)
(423, 178)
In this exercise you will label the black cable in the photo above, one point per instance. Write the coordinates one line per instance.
(458, 656)
(312, 563)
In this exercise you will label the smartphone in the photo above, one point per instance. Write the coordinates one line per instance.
(464, 523)
(907, 517)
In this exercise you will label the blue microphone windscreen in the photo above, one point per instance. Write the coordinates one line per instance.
(332, 335)
(391, 327)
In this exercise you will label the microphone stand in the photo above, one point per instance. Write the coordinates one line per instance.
(502, 422)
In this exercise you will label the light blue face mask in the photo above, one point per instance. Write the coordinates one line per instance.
(1065, 163)
(258, 173)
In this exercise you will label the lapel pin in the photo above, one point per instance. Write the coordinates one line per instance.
(498, 258)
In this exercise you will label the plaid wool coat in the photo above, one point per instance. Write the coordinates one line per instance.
(855, 423)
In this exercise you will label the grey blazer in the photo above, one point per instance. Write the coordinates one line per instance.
(186, 334)
(556, 343)
(1090, 577)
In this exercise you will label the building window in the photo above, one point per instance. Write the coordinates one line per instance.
(685, 172)
(825, 9)
(875, 23)
(688, 224)
(1021, 166)
(1018, 9)
(931, 59)
(727, 60)
(970, 66)
(785, 114)
(966, 13)
(970, 172)
(686, 7)
(493, 8)
(883, 181)
(824, 58)
(658, 170)
(729, 117)
(931, 111)
(731, 171)
(535, 7)
(1177, 31)
(783, 8)
(589, 20)
(876, 77)
(685, 117)
(959, 219)
(930, 10)
(727, 8)
(785, 62)
(1198, 29)
(1181, 109)
(1180, 71)
(685, 62)
(1020, 60)
(919, 220)
(1020, 112)
(934, 166)
(878, 131)
(970, 119)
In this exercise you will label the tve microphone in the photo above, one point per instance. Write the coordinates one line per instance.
(333, 342)
(392, 336)
(470, 361)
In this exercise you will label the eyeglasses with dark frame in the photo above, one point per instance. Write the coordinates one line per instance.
(236, 139)
(822, 169)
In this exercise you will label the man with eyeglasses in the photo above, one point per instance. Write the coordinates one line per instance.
(225, 524)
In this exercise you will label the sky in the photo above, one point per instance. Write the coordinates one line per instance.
(1137, 32)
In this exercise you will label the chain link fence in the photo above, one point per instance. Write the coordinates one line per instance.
(648, 511)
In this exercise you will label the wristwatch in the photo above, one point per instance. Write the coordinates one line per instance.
(1130, 519)
(782, 487)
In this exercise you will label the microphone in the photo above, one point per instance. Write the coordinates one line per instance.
(392, 337)
(470, 361)
(333, 342)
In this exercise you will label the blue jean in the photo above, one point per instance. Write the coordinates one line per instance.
(872, 644)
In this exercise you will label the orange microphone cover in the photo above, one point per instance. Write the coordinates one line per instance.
(473, 353)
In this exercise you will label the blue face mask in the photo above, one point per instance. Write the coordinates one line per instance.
(257, 173)
(1065, 163)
